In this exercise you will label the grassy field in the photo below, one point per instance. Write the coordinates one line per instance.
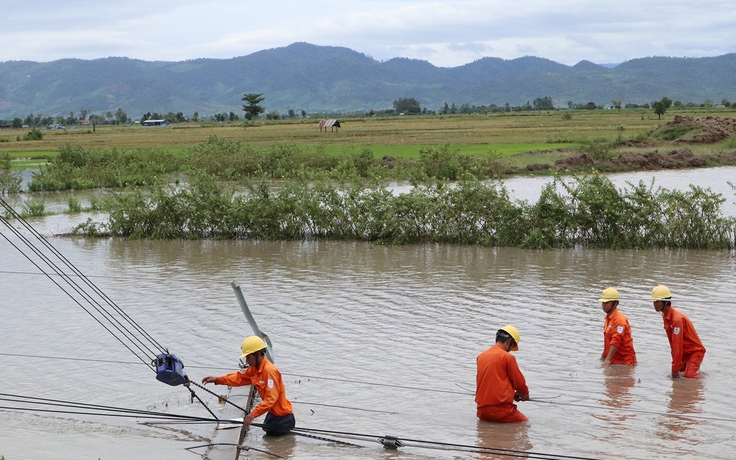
(400, 137)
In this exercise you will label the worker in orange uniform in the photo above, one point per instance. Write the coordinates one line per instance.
(262, 374)
(618, 346)
(499, 381)
(687, 349)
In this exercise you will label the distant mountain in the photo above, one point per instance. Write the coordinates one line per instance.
(326, 78)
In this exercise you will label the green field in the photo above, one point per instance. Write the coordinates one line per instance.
(523, 136)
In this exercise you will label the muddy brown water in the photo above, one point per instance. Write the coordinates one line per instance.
(373, 340)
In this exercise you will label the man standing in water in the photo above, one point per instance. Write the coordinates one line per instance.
(687, 349)
(262, 374)
(499, 381)
(618, 346)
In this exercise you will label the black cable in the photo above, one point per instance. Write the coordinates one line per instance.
(108, 316)
(77, 405)
(70, 266)
(145, 361)
(113, 411)
(527, 454)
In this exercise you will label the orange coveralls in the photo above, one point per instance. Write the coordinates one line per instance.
(617, 332)
(268, 383)
(497, 380)
(687, 349)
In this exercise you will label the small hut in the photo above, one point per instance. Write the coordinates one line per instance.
(332, 124)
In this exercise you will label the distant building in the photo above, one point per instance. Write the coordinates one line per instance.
(332, 124)
(85, 123)
(155, 123)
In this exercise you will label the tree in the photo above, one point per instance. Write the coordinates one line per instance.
(252, 107)
(590, 106)
(661, 106)
(121, 116)
(616, 103)
(195, 117)
(407, 105)
(543, 103)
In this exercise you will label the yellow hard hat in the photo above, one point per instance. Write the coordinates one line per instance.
(514, 333)
(661, 293)
(252, 344)
(609, 294)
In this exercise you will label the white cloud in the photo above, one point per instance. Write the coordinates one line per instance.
(446, 33)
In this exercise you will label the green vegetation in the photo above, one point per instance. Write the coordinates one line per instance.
(252, 108)
(586, 211)
(10, 182)
(34, 134)
(79, 168)
(75, 206)
(34, 207)
(671, 133)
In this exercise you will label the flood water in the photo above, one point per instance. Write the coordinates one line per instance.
(373, 340)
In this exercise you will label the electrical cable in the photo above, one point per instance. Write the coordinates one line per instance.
(464, 393)
(65, 406)
(136, 338)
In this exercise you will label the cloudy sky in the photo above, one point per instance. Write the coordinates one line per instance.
(445, 33)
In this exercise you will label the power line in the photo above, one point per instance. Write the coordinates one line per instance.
(379, 384)
(36, 404)
(134, 335)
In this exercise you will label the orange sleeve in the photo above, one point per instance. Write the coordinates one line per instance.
(676, 343)
(234, 379)
(518, 382)
(618, 330)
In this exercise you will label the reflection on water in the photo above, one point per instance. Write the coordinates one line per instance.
(618, 381)
(686, 398)
(502, 440)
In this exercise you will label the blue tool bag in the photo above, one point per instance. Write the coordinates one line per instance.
(170, 369)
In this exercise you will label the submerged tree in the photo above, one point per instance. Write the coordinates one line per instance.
(252, 108)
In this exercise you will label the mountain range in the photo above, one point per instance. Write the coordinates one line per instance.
(314, 78)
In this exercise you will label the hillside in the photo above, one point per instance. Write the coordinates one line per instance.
(323, 78)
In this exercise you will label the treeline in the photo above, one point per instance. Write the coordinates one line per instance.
(73, 119)
(580, 211)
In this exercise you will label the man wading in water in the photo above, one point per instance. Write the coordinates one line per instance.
(687, 349)
(499, 382)
(618, 346)
(263, 375)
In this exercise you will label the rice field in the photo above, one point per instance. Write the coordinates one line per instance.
(400, 137)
